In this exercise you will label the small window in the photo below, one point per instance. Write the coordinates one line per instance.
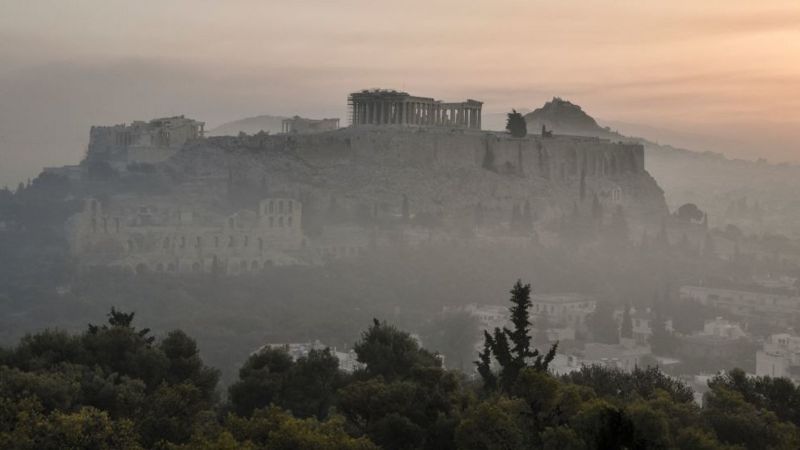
(280, 222)
(166, 242)
(271, 206)
(280, 206)
(230, 241)
(289, 221)
(291, 206)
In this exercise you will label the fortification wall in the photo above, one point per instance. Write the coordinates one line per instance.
(555, 158)
(442, 171)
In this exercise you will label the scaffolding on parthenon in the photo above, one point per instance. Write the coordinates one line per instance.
(391, 107)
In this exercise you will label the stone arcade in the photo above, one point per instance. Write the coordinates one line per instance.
(390, 107)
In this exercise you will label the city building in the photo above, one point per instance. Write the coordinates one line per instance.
(776, 306)
(566, 309)
(642, 321)
(780, 357)
(348, 361)
(489, 316)
(625, 356)
(723, 329)
(390, 107)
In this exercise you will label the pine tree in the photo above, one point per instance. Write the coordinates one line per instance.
(484, 362)
(520, 319)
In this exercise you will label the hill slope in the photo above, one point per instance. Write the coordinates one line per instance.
(249, 125)
(717, 184)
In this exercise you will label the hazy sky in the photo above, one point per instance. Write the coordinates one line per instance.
(724, 71)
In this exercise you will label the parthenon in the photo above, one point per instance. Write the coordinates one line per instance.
(390, 107)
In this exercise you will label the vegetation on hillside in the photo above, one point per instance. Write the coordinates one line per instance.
(115, 386)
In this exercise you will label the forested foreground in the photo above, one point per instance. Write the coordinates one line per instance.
(115, 386)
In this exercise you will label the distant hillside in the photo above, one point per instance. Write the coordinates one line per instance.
(564, 117)
(249, 125)
(715, 183)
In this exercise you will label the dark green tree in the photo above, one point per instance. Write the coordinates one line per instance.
(391, 353)
(516, 125)
(512, 348)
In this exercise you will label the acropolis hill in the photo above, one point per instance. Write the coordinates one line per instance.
(404, 164)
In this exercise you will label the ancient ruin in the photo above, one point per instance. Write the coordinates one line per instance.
(409, 171)
(142, 142)
(299, 124)
(390, 107)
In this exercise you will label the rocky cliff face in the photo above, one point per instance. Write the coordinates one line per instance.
(445, 173)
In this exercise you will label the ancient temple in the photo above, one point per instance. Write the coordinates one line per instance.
(390, 107)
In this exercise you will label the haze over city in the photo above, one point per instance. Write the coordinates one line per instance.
(366, 225)
(723, 77)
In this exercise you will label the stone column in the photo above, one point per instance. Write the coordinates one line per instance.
(401, 110)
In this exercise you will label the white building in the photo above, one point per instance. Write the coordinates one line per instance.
(567, 309)
(348, 361)
(777, 306)
(642, 322)
(723, 329)
(624, 356)
(780, 357)
(489, 316)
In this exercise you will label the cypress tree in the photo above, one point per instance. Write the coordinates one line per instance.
(512, 348)
(516, 125)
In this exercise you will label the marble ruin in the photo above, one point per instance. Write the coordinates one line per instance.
(390, 107)
(299, 124)
(142, 142)
(406, 163)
